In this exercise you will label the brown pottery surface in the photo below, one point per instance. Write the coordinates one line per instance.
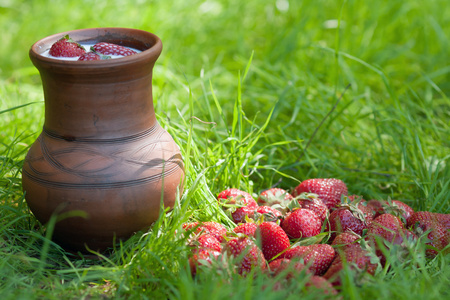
(101, 150)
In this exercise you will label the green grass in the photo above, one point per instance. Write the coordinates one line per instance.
(251, 93)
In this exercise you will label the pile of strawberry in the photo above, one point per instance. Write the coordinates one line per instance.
(67, 47)
(317, 229)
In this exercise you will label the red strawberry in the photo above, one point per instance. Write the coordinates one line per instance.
(93, 56)
(230, 195)
(273, 239)
(280, 265)
(314, 203)
(422, 217)
(302, 223)
(322, 284)
(269, 213)
(443, 219)
(202, 257)
(247, 229)
(274, 196)
(353, 217)
(438, 235)
(317, 256)
(190, 225)
(356, 258)
(112, 49)
(239, 202)
(385, 226)
(345, 239)
(206, 241)
(216, 229)
(329, 190)
(385, 230)
(376, 206)
(249, 256)
(90, 56)
(66, 47)
(394, 207)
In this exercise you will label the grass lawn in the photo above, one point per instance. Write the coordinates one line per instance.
(257, 94)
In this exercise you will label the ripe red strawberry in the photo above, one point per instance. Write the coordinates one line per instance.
(66, 47)
(423, 217)
(278, 266)
(385, 230)
(345, 239)
(246, 252)
(302, 223)
(443, 219)
(274, 196)
(318, 257)
(113, 49)
(206, 241)
(376, 206)
(240, 203)
(273, 239)
(438, 235)
(356, 258)
(353, 217)
(247, 229)
(329, 190)
(269, 213)
(385, 226)
(314, 203)
(394, 207)
(216, 229)
(322, 284)
(202, 257)
(230, 195)
(90, 56)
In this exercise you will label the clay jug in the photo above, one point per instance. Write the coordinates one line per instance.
(101, 151)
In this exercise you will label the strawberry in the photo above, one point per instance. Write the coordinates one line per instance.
(273, 239)
(376, 206)
(112, 49)
(90, 56)
(66, 47)
(385, 230)
(443, 219)
(438, 235)
(248, 255)
(394, 207)
(274, 196)
(269, 213)
(190, 225)
(302, 223)
(344, 239)
(422, 217)
(317, 256)
(229, 196)
(206, 241)
(280, 265)
(356, 258)
(314, 203)
(329, 190)
(216, 229)
(247, 229)
(202, 257)
(353, 217)
(385, 226)
(93, 55)
(320, 283)
(240, 203)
